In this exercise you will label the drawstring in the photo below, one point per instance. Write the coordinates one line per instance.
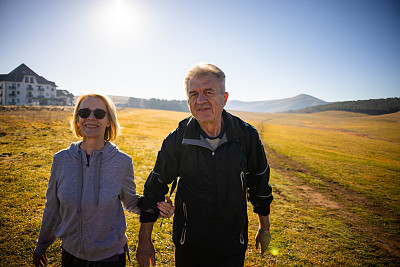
(97, 179)
(80, 181)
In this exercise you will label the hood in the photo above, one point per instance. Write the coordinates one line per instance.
(108, 151)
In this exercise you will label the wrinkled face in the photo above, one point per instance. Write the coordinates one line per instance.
(206, 99)
(92, 127)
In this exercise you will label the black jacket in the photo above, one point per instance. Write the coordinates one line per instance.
(211, 208)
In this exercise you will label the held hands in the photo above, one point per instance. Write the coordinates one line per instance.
(166, 208)
(263, 238)
(39, 260)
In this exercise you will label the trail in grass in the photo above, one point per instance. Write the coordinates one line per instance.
(338, 201)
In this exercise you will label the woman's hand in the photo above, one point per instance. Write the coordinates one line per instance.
(166, 208)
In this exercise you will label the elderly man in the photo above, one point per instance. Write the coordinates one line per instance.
(220, 161)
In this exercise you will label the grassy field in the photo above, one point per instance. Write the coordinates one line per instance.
(335, 177)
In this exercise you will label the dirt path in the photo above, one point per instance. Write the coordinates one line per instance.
(339, 201)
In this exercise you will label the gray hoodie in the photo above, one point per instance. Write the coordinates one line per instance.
(83, 205)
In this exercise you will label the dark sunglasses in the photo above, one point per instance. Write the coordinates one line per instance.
(84, 113)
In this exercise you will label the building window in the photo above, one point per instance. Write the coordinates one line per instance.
(26, 79)
(17, 92)
(31, 79)
(18, 84)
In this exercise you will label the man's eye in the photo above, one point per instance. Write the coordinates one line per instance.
(209, 92)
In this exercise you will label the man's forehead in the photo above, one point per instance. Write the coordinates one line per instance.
(208, 80)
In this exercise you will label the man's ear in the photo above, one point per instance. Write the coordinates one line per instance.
(226, 95)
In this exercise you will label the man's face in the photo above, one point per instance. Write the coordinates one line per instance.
(206, 99)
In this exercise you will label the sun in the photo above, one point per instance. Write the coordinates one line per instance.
(119, 19)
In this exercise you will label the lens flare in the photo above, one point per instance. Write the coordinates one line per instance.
(274, 251)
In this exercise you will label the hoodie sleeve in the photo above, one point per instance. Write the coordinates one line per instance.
(128, 193)
(51, 216)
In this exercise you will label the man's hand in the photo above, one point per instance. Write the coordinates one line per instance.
(145, 252)
(263, 238)
(39, 260)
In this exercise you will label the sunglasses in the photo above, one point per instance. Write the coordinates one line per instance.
(84, 113)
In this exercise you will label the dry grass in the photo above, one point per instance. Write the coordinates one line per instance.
(334, 174)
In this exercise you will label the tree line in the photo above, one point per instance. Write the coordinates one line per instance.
(155, 103)
(370, 107)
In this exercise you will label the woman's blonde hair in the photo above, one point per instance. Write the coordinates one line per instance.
(112, 131)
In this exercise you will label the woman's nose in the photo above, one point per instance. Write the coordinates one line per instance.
(91, 116)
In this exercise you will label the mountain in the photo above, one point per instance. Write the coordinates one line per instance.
(272, 106)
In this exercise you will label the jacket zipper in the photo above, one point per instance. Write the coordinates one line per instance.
(242, 180)
(183, 236)
(241, 239)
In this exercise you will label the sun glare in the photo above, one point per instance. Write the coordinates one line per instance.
(119, 20)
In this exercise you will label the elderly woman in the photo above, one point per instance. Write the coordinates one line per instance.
(88, 182)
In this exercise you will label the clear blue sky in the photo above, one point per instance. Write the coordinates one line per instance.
(334, 50)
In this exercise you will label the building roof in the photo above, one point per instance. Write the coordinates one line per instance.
(64, 93)
(18, 74)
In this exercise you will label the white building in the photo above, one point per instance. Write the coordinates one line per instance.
(22, 86)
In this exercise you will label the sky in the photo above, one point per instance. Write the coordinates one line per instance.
(335, 50)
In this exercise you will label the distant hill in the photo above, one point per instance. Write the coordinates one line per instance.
(269, 106)
(272, 106)
(370, 107)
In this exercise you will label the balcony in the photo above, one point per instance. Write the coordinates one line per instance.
(29, 88)
(12, 87)
(12, 95)
(40, 89)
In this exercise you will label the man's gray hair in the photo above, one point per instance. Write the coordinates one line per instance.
(201, 69)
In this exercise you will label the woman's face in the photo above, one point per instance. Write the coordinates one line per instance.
(92, 127)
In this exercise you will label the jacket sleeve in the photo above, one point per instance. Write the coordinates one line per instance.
(260, 192)
(163, 173)
(51, 215)
(128, 195)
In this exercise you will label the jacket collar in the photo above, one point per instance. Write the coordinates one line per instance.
(233, 130)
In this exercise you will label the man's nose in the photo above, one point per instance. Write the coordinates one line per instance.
(201, 98)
